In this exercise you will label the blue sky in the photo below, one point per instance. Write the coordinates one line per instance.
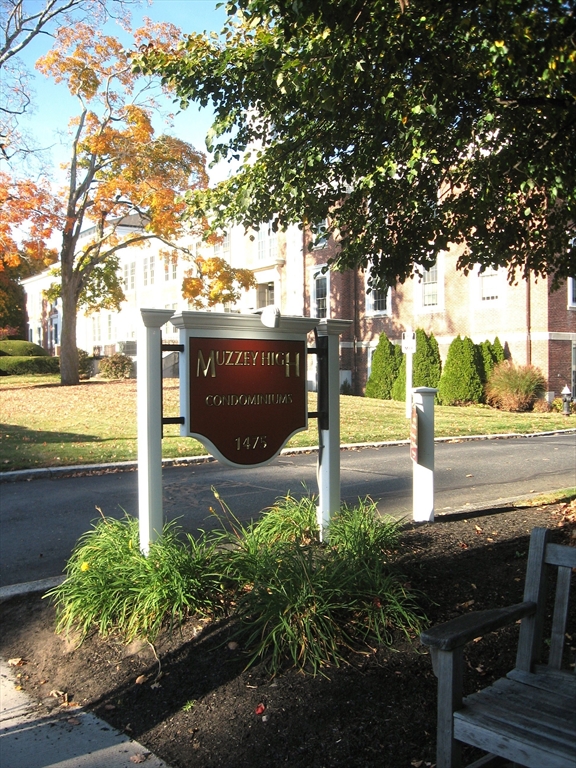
(54, 106)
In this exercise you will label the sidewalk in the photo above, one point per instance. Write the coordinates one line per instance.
(43, 735)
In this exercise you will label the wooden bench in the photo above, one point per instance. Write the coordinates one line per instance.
(528, 717)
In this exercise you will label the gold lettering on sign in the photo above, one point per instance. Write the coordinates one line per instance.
(203, 367)
(206, 365)
(264, 399)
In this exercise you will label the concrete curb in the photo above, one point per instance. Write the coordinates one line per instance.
(79, 470)
(29, 587)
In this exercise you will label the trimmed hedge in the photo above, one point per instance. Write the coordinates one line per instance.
(461, 382)
(18, 348)
(385, 365)
(22, 366)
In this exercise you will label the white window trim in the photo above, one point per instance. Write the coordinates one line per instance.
(370, 311)
(499, 273)
(321, 226)
(419, 306)
(315, 272)
(572, 293)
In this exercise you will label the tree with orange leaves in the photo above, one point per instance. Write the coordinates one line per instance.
(119, 168)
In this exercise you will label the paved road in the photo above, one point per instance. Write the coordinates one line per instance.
(41, 520)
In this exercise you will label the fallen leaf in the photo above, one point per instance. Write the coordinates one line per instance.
(155, 685)
(260, 709)
(469, 475)
(232, 645)
(56, 694)
(73, 721)
(416, 763)
(140, 679)
(17, 662)
(463, 545)
(109, 707)
(141, 758)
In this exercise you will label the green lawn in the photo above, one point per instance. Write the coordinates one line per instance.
(45, 425)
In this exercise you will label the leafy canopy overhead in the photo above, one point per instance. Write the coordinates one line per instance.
(410, 125)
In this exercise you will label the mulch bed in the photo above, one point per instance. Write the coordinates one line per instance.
(204, 710)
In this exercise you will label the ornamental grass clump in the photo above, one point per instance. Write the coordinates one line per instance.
(297, 601)
(111, 586)
(515, 387)
(308, 603)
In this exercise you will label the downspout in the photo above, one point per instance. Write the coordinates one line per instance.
(355, 387)
(528, 322)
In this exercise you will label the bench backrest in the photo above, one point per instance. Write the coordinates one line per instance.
(543, 559)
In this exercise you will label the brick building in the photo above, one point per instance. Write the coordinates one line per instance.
(535, 324)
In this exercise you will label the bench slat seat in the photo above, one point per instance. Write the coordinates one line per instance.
(528, 717)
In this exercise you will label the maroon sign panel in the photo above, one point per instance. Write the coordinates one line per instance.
(247, 396)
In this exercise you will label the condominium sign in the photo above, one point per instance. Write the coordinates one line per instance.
(247, 396)
(243, 382)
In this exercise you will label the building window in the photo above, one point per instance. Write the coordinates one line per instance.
(96, 328)
(169, 329)
(430, 287)
(222, 249)
(145, 265)
(378, 301)
(267, 243)
(320, 293)
(152, 265)
(264, 295)
(109, 327)
(129, 276)
(320, 234)
(489, 280)
(572, 292)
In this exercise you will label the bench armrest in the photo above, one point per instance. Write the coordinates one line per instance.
(461, 630)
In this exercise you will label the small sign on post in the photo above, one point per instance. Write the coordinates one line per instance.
(409, 347)
(414, 435)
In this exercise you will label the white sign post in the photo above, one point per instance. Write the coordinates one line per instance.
(422, 452)
(242, 394)
(149, 385)
(329, 450)
(409, 347)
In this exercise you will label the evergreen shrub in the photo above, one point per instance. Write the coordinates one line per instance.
(20, 348)
(24, 366)
(385, 364)
(461, 382)
(426, 366)
(116, 366)
(84, 364)
(515, 387)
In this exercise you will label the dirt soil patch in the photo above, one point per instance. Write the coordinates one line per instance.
(190, 700)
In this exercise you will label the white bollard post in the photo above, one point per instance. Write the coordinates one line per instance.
(149, 401)
(422, 452)
(329, 453)
(409, 347)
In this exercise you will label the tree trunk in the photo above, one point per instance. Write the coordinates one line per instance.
(68, 350)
